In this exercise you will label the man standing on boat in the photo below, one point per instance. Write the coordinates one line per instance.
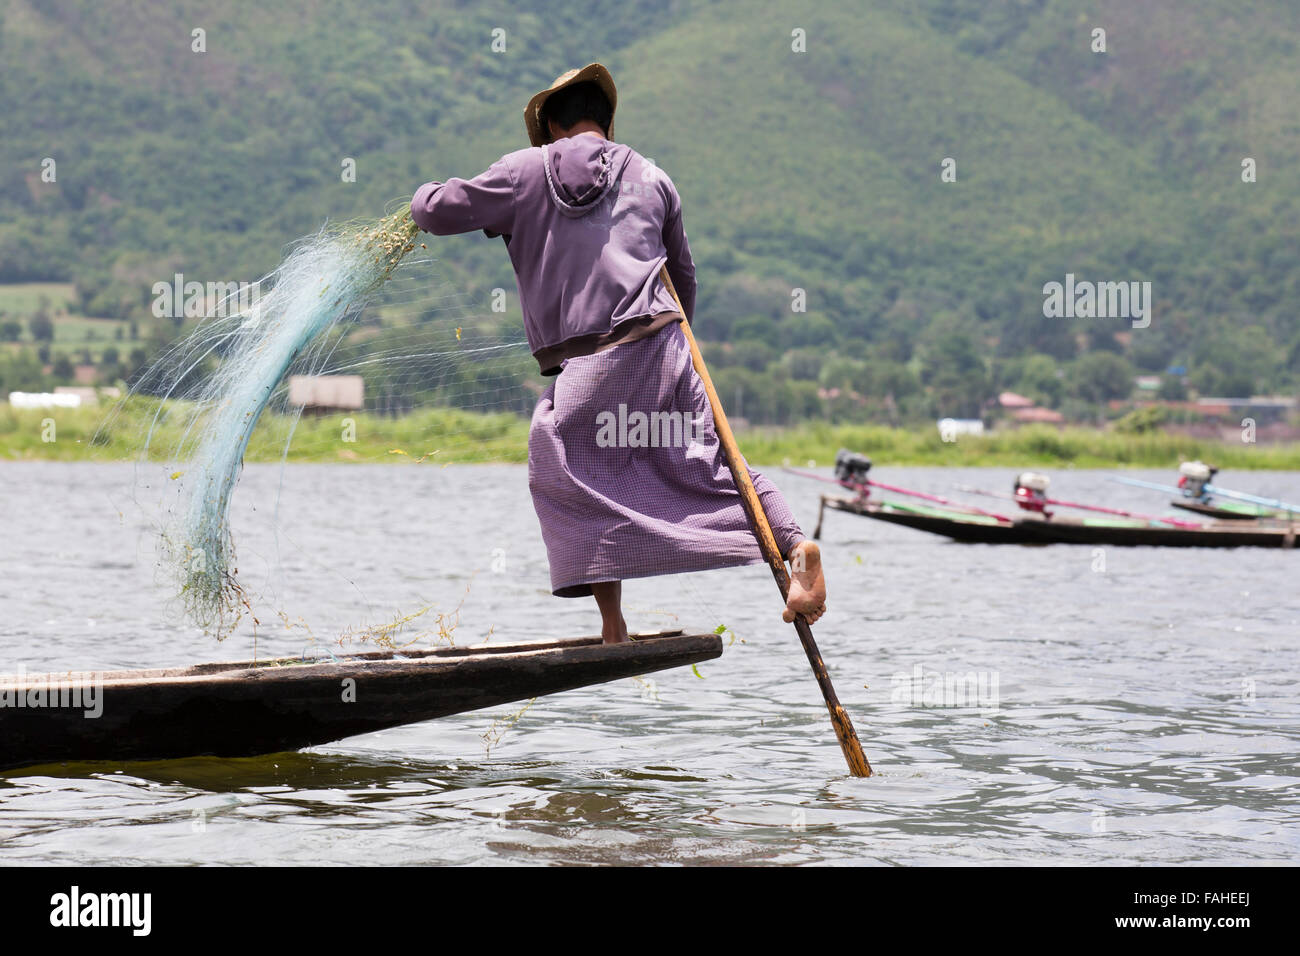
(626, 472)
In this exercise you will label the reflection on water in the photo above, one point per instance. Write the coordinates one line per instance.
(1146, 713)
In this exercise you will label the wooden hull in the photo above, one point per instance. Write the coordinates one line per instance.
(977, 531)
(1230, 535)
(1064, 530)
(241, 709)
(1232, 512)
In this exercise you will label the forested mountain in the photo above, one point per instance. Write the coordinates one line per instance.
(815, 169)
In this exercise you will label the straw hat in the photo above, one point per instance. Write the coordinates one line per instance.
(538, 134)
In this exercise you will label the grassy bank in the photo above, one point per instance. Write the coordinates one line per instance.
(1030, 447)
(434, 435)
(447, 436)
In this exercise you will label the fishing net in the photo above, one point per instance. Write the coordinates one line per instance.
(349, 306)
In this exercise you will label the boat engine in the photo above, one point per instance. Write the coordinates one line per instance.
(1031, 491)
(1193, 476)
(851, 468)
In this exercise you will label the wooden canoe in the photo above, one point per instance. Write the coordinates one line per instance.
(1233, 510)
(1034, 529)
(244, 708)
(979, 529)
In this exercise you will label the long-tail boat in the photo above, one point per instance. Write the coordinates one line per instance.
(1195, 492)
(248, 708)
(1037, 524)
(1230, 510)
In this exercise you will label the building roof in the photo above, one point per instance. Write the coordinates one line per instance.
(1012, 400)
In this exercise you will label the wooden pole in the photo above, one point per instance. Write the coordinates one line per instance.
(762, 529)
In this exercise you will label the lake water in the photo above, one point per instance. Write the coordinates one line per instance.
(1133, 705)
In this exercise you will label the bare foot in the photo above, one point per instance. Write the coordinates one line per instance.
(614, 633)
(807, 585)
(609, 598)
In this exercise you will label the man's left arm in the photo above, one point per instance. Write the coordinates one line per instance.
(485, 202)
(681, 267)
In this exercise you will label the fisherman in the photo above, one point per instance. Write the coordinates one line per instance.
(620, 487)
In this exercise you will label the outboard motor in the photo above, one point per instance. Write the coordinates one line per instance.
(1031, 492)
(851, 468)
(1193, 476)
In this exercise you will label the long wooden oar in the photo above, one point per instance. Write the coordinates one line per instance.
(762, 529)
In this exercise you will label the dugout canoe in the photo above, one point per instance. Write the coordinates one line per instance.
(1034, 529)
(248, 708)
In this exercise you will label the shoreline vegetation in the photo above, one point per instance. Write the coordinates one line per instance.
(440, 436)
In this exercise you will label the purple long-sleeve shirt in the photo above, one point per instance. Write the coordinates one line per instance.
(588, 224)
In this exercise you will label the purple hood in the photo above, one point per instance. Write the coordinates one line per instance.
(580, 171)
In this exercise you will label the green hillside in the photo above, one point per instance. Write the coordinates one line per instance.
(817, 170)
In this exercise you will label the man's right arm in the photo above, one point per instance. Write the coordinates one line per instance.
(464, 205)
